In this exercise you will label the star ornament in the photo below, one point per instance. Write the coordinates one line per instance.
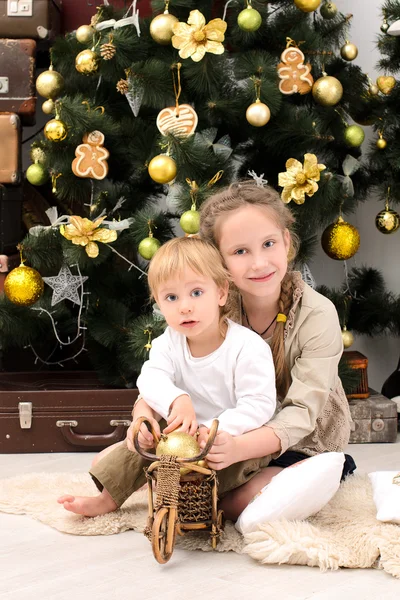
(84, 232)
(194, 38)
(299, 179)
(65, 286)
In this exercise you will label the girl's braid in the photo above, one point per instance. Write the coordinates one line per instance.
(282, 372)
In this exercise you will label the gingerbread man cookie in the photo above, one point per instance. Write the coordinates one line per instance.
(91, 157)
(295, 76)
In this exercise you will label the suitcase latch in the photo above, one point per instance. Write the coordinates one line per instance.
(25, 415)
(19, 8)
(3, 85)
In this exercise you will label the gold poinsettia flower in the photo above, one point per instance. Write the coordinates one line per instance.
(83, 232)
(299, 179)
(194, 38)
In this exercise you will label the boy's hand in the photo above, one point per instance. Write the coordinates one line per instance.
(145, 438)
(182, 416)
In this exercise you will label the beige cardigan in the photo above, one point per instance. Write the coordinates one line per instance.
(315, 415)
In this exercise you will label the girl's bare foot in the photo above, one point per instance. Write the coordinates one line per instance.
(89, 506)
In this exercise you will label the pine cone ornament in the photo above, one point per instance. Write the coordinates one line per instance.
(122, 86)
(107, 51)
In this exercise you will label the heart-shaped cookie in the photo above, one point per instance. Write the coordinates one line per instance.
(179, 120)
(386, 83)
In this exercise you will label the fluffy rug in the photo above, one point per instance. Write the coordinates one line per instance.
(344, 534)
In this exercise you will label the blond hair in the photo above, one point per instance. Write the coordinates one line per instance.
(235, 196)
(182, 252)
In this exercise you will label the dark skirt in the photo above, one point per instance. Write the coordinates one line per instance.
(291, 457)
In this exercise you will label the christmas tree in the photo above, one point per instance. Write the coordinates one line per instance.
(148, 117)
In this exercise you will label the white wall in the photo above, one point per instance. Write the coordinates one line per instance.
(377, 250)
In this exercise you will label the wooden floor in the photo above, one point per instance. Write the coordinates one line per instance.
(39, 563)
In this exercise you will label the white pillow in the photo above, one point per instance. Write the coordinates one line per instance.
(386, 495)
(295, 493)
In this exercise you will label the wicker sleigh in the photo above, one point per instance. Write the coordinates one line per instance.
(182, 502)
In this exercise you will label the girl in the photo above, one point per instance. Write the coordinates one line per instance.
(253, 230)
(203, 367)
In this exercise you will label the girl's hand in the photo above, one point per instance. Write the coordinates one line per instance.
(145, 438)
(182, 416)
(223, 452)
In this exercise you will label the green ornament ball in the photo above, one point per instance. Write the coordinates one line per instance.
(328, 10)
(37, 174)
(148, 247)
(354, 136)
(249, 19)
(190, 221)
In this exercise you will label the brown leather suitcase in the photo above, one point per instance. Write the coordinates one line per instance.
(61, 412)
(35, 19)
(34, 207)
(10, 219)
(17, 78)
(10, 148)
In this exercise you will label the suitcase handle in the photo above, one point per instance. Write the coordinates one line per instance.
(81, 439)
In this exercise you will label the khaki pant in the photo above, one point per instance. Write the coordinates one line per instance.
(121, 472)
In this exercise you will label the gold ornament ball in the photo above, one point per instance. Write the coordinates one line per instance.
(48, 107)
(249, 19)
(307, 5)
(354, 136)
(381, 143)
(384, 27)
(327, 91)
(190, 221)
(373, 89)
(55, 130)
(23, 286)
(50, 84)
(178, 444)
(387, 221)
(328, 10)
(347, 337)
(258, 114)
(84, 34)
(340, 240)
(148, 247)
(349, 51)
(87, 62)
(161, 28)
(37, 174)
(162, 168)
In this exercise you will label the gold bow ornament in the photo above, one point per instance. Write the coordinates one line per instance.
(83, 232)
(194, 38)
(299, 180)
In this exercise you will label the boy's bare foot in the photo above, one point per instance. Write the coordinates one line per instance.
(89, 506)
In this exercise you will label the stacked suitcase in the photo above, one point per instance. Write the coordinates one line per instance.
(374, 416)
(40, 411)
(24, 24)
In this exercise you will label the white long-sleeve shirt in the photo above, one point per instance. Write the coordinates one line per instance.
(235, 383)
